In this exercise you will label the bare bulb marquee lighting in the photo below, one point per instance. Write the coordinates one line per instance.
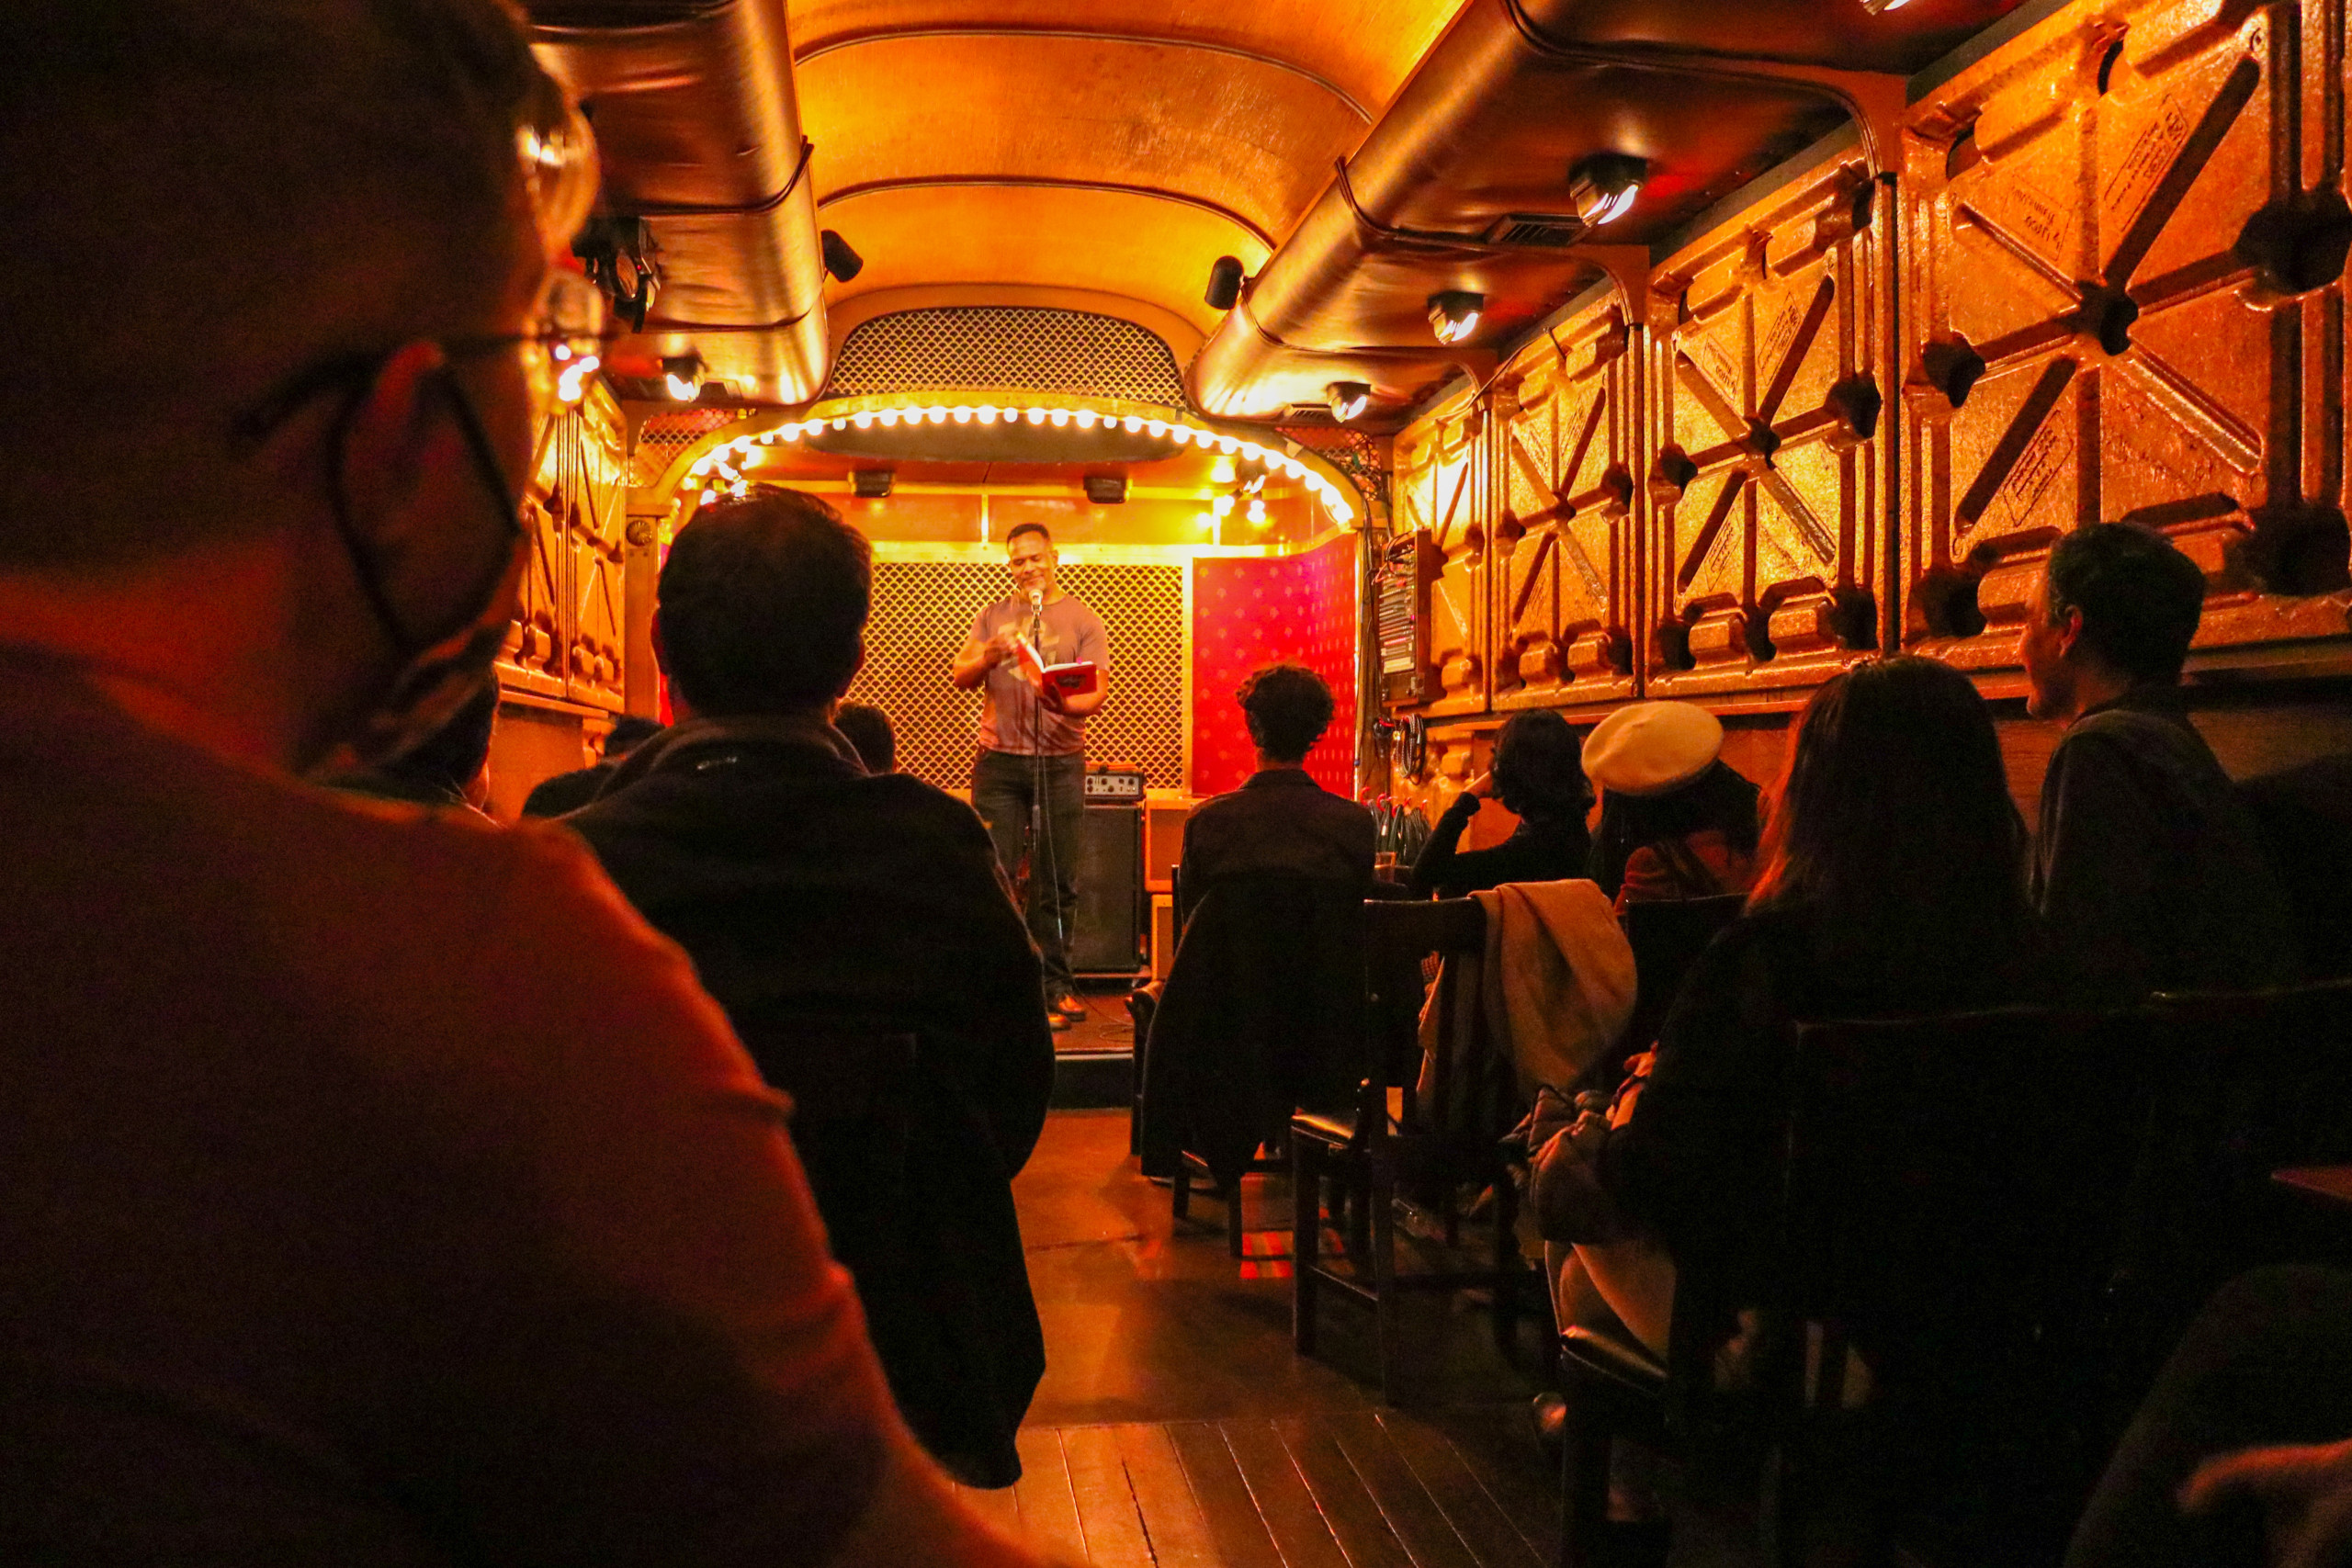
(1454, 314)
(717, 470)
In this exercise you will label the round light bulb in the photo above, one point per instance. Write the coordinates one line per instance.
(1036, 416)
(988, 414)
(961, 414)
(1060, 417)
(862, 418)
(1086, 419)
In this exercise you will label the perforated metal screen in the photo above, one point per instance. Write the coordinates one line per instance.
(665, 435)
(923, 611)
(1025, 348)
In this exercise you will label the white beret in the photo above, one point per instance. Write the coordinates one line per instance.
(1650, 747)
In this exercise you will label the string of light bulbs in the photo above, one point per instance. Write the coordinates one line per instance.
(718, 470)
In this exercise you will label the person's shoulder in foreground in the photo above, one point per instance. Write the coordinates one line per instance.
(372, 1188)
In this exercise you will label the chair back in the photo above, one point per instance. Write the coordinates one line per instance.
(2250, 1082)
(1397, 939)
(1956, 1201)
(1257, 1018)
(1667, 937)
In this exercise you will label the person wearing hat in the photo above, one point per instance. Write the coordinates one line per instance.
(1676, 821)
(1538, 779)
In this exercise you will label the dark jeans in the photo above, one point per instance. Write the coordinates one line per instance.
(1005, 789)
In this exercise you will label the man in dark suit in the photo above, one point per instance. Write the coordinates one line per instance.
(1280, 820)
(813, 899)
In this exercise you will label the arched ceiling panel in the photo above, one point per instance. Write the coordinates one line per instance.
(1364, 48)
(1246, 137)
(1143, 247)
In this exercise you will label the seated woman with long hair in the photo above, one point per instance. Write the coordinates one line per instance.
(1892, 885)
(1539, 779)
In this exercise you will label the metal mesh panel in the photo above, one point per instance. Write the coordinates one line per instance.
(923, 611)
(1017, 347)
(665, 435)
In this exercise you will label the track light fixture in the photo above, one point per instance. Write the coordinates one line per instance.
(1348, 399)
(682, 375)
(840, 260)
(1603, 186)
(1454, 314)
(872, 484)
(621, 258)
(1106, 490)
(1225, 283)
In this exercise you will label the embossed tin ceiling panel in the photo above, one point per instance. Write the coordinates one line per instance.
(1442, 485)
(1567, 521)
(1768, 485)
(2127, 303)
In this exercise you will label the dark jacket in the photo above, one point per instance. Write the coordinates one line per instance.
(1279, 821)
(2147, 865)
(804, 890)
(1261, 1016)
(559, 793)
(1536, 851)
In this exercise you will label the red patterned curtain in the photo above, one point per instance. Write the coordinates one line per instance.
(1249, 611)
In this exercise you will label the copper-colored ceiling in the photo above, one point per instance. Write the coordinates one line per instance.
(1112, 145)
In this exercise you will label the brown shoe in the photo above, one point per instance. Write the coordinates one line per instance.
(1058, 1022)
(1070, 1007)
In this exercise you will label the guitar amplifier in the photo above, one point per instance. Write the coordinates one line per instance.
(1113, 782)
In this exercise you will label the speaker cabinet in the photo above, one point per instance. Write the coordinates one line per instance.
(1108, 936)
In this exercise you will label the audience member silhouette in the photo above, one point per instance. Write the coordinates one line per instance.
(448, 768)
(569, 791)
(1280, 820)
(1676, 821)
(1893, 883)
(868, 729)
(805, 890)
(374, 1186)
(1539, 779)
(2246, 1435)
(2147, 865)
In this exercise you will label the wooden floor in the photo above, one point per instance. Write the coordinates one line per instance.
(1175, 1426)
(1357, 1489)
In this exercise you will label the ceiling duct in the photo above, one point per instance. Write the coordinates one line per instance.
(1465, 185)
(699, 131)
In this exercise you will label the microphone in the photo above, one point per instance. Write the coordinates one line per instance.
(1036, 601)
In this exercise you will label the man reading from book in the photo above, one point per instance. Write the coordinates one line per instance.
(1042, 659)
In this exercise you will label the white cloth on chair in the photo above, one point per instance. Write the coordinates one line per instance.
(1559, 978)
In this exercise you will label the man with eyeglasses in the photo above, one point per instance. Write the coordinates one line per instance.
(374, 1187)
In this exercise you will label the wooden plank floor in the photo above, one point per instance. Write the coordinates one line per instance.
(1344, 1489)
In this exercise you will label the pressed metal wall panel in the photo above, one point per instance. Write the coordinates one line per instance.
(2126, 303)
(1569, 460)
(567, 639)
(1766, 484)
(1442, 485)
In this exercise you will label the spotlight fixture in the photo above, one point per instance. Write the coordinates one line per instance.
(620, 257)
(872, 484)
(1454, 314)
(840, 260)
(1225, 283)
(1106, 490)
(1348, 399)
(1603, 186)
(681, 375)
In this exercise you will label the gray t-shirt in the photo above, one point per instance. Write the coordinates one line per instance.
(1014, 719)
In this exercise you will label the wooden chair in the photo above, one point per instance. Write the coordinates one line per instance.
(1251, 1024)
(1667, 937)
(1434, 1143)
(2249, 1082)
(1954, 1208)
